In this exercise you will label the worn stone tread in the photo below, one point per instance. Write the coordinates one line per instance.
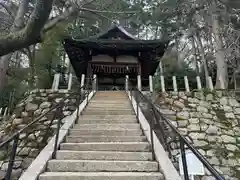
(107, 121)
(101, 165)
(85, 138)
(106, 132)
(101, 176)
(108, 146)
(107, 126)
(104, 155)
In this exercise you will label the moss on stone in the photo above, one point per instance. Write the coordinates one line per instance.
(222, 117)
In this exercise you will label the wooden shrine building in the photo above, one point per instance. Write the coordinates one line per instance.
(114, 55)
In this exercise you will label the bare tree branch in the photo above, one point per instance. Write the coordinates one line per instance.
(53, 22)
(19, 20)
(31, 34)
(8, 9)
(112, 12)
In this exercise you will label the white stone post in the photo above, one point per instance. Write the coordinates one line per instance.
(175, 88)
(186, 84)
(1, 109)
(94, 82)
(222, 86)
(161, 67)
(5, 112)
(210, 83)
(126, 82)
(162, 83)
(199, 84)
(56, 81)
(139, 82)
(82, 80)
(70, 81)
(151, 83)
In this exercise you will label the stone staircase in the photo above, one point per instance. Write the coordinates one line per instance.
(107, 143)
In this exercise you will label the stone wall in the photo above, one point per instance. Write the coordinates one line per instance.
(211, 121)
(34, 139)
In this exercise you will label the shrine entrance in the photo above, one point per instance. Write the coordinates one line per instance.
(114, 55)
(112, 76)
(111, 88)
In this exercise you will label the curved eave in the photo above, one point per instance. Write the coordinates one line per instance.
(136, 45)
(150, 50)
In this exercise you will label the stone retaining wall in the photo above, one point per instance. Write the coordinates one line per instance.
(36, 137)
(211, 121)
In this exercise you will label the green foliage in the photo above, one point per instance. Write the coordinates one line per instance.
(171, 68)
(49, 55)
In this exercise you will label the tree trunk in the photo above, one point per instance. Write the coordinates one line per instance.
(179, 59)
(4, 61)
(31, 56)
(202, 53)
(194, 52)
(220, 57)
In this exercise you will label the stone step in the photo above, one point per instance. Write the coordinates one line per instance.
(111, 93)
(100, 121)
(112, 108)
(110, 98)
(107, 126)
(104, 132)
(108, 102)
(108, 146)
(100, 165)
(110, 105)
(80, 139)
(111, 112)
(101, 176)
(107, 116)
(93, 101)
(104, 155)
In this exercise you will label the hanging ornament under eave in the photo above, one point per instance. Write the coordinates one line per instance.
(90, 52)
